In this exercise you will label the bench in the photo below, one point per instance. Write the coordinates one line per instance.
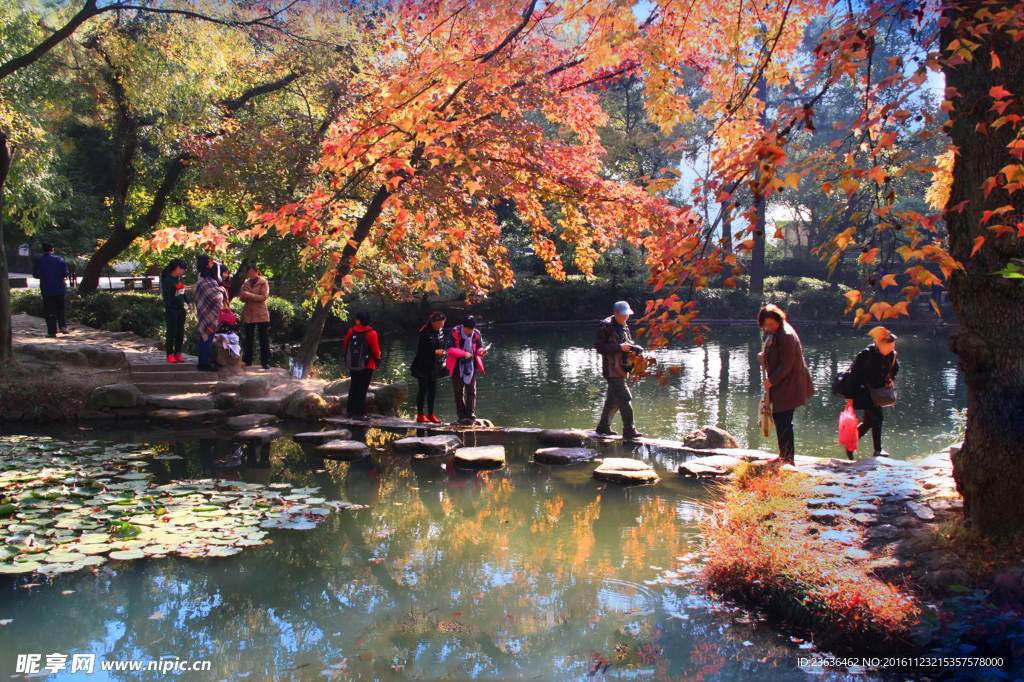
(18, 282)
(146, 283)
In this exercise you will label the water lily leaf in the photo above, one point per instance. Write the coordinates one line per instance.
(127, 555)
(224, 551)
(20, 567)
(63, 557)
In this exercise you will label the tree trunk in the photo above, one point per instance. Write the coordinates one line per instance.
(119, 240)
(989, 470)
(6, 341)
(757, 256)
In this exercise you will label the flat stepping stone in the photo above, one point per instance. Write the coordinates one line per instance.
(714, 465)
(322, 436)
(744, 454)
(186, 417)
(625, 470)
(260, 435)
(250, 421)
(483, 457)
(567, 438)
(345, 450)
(181, 402)
(564, 455)
(428, 445)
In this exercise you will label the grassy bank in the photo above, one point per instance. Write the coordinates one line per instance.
(758, 552)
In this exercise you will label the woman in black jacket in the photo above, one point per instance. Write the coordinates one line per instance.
(428, 366)
(874, 367)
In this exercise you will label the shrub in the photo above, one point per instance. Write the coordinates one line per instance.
(287, 320)
(27, 301)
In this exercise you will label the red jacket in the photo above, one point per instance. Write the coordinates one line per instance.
(371, 341)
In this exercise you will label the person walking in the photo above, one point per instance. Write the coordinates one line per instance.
(428, 366)
(788, 380)
(255, 316)
(466, 351)
(172, 289)
(52, 272)
(875, 367)
(362, 353)
(209, 302)
(615, 344)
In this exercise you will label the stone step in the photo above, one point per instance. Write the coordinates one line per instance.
(189, 364)
(181, 402)
(172, 387)
(183, 375)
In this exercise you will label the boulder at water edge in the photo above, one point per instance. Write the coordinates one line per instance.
(709, 438)
(345, 450)
(115, 395)
(566, 438)
(624, 470)
(389, 397)
(256, 387)
(322, 436)
(483, 457)
(303, 404)
(430, 445)
(563, 455)
(339, 387)
(250, 421)
(258, 436)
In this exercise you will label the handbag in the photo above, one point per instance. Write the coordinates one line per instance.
(887, 395)
(764, 419)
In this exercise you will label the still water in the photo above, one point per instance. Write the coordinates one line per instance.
(551, 377)
(528, 573)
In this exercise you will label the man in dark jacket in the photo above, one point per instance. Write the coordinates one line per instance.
(615, 344)
(51, 271)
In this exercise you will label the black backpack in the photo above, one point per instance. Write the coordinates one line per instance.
(357, 356)
(841, 385)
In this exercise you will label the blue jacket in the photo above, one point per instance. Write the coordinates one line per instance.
(51, 270)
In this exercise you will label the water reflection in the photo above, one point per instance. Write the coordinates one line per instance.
(529, 572)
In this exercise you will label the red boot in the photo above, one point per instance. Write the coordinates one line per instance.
(433, 419)
(421, 419)
(171, 359)
(177, 356)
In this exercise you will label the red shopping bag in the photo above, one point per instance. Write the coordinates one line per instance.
(848, 435)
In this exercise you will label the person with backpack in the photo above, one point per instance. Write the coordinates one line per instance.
(52, 272)
(465, 362)
(172, 289)
(362, 353)
(788, 380)
(615, 344)
(869, 384)
(428, 366)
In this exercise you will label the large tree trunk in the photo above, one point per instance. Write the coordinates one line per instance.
(989, 470)
(6, 157)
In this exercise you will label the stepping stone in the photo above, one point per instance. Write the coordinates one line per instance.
(181, 402)
(922, 511)
(261, 405)
(322, 436)
(625, 470)
(429, 445)
(714, 465)
(250, 421)
(484, 457)
(345, 450)
(260, 435)
(563, 455)
(744, 454)
(567, 438)
(186, 417)
(829, 517)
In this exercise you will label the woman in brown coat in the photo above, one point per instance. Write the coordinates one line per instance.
(255, 315)
(789, 381)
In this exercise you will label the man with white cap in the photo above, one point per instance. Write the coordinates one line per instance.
(615, 344)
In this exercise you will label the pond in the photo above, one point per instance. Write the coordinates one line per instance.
(550, 377)
(529, 572)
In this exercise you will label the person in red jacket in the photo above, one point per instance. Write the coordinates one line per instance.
(362, 354)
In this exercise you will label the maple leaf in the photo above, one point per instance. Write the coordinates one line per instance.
(978, 241)
(887, 281)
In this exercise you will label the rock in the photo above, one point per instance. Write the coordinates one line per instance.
(339, 387)
(943, 580)
(484, 457)
(303, 404)
(115, 395)
(566, 438)
(940, 460)
(261, 405)
(226, 387)
(224, 359)
(866, 519)
(108, 358)
(255, 387)
(843, 537)
(224, 401)
(709, 437)
(322, 436)
(130, 412)
(744, 454)
(82, 415)
(250, 421)
(624, 470)
(181, 402)
(863, 508)
(388, 398)
(937, 559)
(430, 445)
(563, 455)
(1010, 582)
(828, 517)
(186, 417)
(715, 465)
(345, 450)
(922, 511)
(854, 554)
(259, 435)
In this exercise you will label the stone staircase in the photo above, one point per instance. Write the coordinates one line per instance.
(178, 386)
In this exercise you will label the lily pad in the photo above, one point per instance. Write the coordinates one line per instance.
(127, 555)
